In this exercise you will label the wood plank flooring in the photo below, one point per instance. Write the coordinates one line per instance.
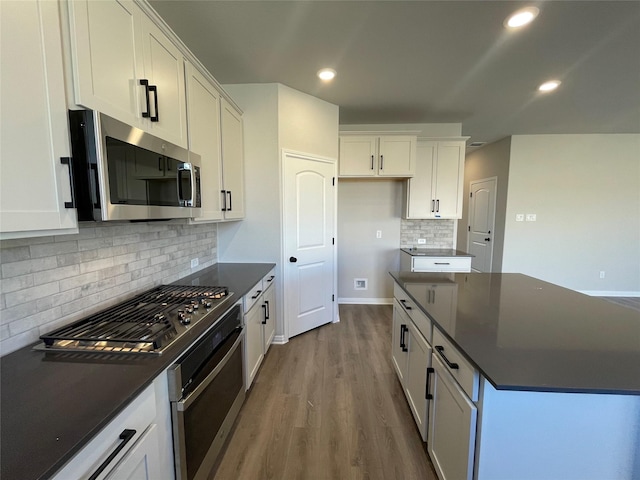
(328, 406)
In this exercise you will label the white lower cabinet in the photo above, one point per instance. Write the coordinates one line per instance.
(411, 357)
(452, 427)
(260, 324)
(132, 446)
(141, 462)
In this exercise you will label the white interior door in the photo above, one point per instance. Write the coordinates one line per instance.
(482, 214)
(309, 252)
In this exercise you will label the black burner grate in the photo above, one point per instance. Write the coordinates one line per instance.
(140, 324)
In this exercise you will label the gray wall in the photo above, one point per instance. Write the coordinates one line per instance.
(490, 161)
(585, 191)
(48, 282)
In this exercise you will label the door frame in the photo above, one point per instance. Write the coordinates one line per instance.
(493, 225)
(285, 153)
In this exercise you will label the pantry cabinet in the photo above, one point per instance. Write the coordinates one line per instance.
(377, 156)
(36, 197)
(435, 191)
(126, 67)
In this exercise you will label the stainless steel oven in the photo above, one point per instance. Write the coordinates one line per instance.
(206, 390)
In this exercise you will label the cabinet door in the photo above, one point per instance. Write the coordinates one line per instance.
(142, 461)
(419, 359)
(34, 136)
(420, 202)
(399, 351)
(232, 161)
(107, 57)
(269, 313)
(449, 176)
(397, 156)
(452, 427)
(358, 156)
(253, 342)
(164, 69)
(203, 109)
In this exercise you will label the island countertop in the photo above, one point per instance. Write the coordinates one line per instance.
(526, 334)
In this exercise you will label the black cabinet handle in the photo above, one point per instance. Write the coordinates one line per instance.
(404, 304)
(258, 292)
(403, 329)
(487, 239)
(154, 89)
(145, 82)
(427, 395)
(440, 350)
(293, 259)
(224, 200)
(267, 313)
(442, 263)
(381, 162)
(69, 162)
(270, 279)
(433, 206)
(126, 437)
(437, 205)
(371, 162)
(230, 204)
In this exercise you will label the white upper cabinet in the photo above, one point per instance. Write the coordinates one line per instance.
(232, 192)
(203, 109)
(435, 191)
(126, 67)
(377, 156)
(35, 197)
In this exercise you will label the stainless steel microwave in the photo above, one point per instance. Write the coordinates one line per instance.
(123, 173)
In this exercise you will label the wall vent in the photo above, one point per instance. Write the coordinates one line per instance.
(476, 144)
(360, 283)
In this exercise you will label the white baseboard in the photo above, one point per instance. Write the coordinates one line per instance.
(607, 293)
(366, 301)
(279, 340)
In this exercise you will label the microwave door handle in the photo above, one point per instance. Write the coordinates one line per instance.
(185, 167)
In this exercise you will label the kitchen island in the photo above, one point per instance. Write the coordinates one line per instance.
(553, 384)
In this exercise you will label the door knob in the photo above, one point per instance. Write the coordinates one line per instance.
(487, 239)
(293, 259)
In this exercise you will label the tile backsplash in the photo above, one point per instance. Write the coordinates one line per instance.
(47, 282)
(437, 233)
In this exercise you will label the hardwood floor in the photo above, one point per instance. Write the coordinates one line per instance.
(629, 302)
(328, 406)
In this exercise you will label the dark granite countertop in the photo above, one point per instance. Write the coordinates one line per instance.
(436, 252)
(52, 404)
(526, 334)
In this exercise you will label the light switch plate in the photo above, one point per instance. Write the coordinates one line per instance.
(531, 217)
(519, 217)
(422, 241)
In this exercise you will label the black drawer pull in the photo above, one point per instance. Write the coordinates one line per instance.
(440, 350)
(403, 328)
(427, 395)
(126, 437)
(72, 183)
(441, 263)
(258, 292)
(404, 304)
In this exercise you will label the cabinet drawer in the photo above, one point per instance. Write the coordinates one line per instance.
(441, 264)
(252, 296)
(465, 374)
(417, 316)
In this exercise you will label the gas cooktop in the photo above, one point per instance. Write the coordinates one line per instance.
(145, 324)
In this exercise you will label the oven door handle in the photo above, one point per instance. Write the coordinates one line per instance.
(184, 404)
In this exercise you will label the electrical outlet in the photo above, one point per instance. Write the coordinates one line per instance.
(194, 262)
(531, 217)
(422, 241)
(378, 233)
(360, 283)
(519, 217)
(601, 273)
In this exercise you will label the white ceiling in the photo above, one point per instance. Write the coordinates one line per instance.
(432, 61)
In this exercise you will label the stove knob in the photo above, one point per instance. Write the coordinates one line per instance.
(185, 320)
(194, 304)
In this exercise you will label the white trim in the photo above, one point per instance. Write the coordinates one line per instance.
(366, 301)
(607, 293)
(279, 340)
(378, 132)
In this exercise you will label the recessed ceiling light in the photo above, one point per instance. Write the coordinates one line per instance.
(549, 86)
(326, 74)
(476, 144)
(521, 17)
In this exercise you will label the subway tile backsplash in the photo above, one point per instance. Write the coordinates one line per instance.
(437, 233)
(47, 282)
